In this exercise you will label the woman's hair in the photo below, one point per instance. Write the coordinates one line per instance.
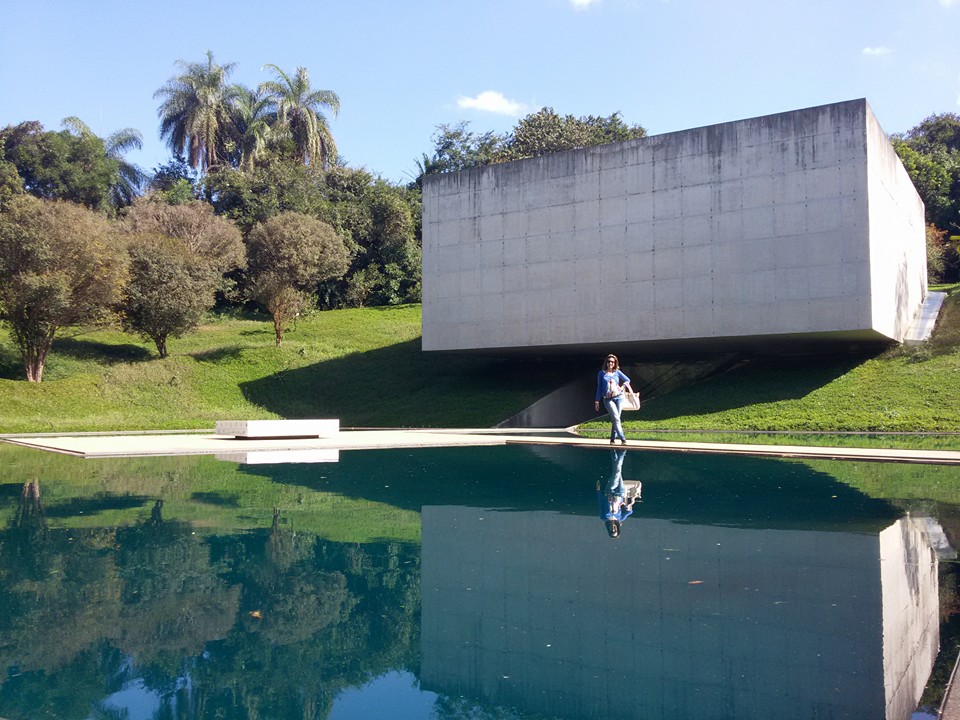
(613, 528)
(616, 362)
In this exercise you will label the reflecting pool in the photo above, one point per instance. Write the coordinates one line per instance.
(474, 583)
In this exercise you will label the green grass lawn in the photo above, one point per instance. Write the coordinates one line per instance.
(901, 390)
(365, 367)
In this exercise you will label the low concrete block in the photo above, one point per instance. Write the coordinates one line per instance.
(278, 428)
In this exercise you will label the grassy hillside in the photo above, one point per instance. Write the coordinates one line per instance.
(365, 367)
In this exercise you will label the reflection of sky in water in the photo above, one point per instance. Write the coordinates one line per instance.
(396, 695)
(135, 702)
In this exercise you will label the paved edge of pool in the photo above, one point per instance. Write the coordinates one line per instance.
(97, 445)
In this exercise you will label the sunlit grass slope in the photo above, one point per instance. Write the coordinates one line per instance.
(902, 389)
(363, 366)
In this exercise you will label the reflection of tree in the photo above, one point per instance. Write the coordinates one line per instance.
(173, 598)
(58, 594)
(259, 624)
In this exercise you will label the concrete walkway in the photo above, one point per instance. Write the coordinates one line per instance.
(208, 443)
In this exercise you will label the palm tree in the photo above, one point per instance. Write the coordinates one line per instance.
(130, 178)
(195, 115)
(299, 112)
(252, 126)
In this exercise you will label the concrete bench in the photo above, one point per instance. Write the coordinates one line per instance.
(255, 429)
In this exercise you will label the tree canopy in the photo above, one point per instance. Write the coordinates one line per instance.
(74, 164)
(60, 265)
(930, 152)
(288, 255)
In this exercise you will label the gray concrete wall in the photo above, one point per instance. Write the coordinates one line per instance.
(779, 227)
(674, 620)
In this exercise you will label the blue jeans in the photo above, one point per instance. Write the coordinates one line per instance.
(613, 409)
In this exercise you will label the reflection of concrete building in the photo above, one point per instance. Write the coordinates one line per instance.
(801, 227)
(544, 613)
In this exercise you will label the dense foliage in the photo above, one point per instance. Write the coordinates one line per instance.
(60, 265)
(930, 152)
(288, 255)
(169, 291)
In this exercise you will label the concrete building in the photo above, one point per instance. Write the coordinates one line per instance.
(801, 228)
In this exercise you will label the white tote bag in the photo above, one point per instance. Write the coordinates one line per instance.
(631, 400)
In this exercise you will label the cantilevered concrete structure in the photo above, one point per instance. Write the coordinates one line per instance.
(798, 229)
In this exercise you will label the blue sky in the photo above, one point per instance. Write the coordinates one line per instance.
(401, 69)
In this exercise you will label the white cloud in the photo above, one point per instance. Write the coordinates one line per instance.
(492, 101)
(948, 3)
(584, 4)
(877, 51)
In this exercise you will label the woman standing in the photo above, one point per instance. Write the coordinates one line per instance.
(610, 384)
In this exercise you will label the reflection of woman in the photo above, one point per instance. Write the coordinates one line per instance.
(615, 506)
(610, 384)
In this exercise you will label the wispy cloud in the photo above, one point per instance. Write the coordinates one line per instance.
(493, 102)
(584, 4)
(948, 3)
(877, 51)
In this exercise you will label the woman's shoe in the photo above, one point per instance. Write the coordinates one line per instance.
(622, 442)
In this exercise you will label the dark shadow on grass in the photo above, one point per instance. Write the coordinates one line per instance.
(218, 355)
(96, 504)
(101, 352)
(757, 380)
(401, 386)
(11, 364)
(215, 498)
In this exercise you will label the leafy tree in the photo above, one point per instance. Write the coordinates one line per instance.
(299, 111)
(930, 152)
(63, 165)
(130, 179)
(380, 222)
(60, 265)
(456, 147)
(214, 239)
(545, 132)
(174, 182)
(196, 112)
(11, 184)
(169, 290)
(288, 255)
(273, 186)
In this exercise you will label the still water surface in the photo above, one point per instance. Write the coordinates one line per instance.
(471, 583)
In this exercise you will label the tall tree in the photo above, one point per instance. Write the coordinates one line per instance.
(299, 110)
(253, 118)
(130, 178)
(60, 265)
(196, 112)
